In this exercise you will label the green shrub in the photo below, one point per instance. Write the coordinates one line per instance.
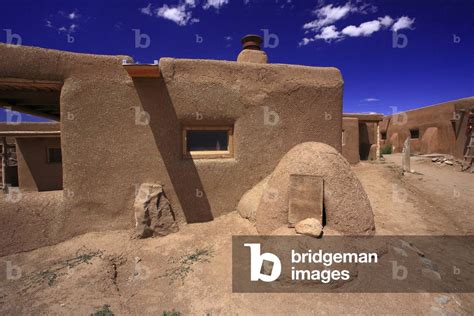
(386, 149)
(171, 313)
(104, 311)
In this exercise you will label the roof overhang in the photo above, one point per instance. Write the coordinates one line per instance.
(19, 134)
(366, 117)
(35, 97)
(142, 70)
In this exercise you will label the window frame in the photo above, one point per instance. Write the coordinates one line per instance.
(208, 154)
(48, 156)
(415, 130)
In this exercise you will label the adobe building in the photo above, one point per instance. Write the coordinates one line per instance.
(361, 136)
(440, 128)
(206, 130)
(31, 156)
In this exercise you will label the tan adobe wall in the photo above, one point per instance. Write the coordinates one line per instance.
(350, 145)
(436, 132)
(107, 155)
(34, 171)
(367, 138)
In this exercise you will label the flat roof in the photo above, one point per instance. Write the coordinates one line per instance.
(35, 97)
(30, 134)
(369, 117)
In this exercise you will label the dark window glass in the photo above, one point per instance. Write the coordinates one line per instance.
(207, 140)
(54, 155)
(384, 136)
(414, 133)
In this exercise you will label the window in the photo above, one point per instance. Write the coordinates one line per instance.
(54, 155)
(384, 135)
(208, 142)
(415, 133)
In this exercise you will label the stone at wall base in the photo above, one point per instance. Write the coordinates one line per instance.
(154, 215)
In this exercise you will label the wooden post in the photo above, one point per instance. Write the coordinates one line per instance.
(406, 155)
(4, 160)
(378, 142)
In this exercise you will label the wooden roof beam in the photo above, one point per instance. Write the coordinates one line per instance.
(142, 70)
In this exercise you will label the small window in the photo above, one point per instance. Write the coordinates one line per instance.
(384, 135)
(414, 133)
(54, 155)
(207, 142)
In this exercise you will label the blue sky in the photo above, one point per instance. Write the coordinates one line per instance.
(432, 60)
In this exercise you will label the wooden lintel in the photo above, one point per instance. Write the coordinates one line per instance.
(30, 133)
(143, 71)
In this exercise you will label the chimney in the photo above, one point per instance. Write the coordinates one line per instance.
(251, 52)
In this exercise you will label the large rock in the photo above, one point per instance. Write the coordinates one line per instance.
(309, 227)
(347, 208)
(153, 213)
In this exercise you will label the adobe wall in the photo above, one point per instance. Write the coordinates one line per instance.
(107, 153)
(367, 138)
(350, 145)
(34, 171)
(436, 132)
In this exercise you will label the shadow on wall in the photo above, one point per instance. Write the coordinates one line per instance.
(364, 142)
(166, 129)
(39, 175)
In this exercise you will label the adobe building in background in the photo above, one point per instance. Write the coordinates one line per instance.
(361, 136)
(31, 156)
(441, 128)
(207, 130)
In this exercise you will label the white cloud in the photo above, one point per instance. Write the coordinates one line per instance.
(178, 14)
(68, 29)
(69, 22)
(216, 4)
(305, 41)
(324, 27)
(328, 15)
(364, 29)
(73, 15)
(147, 10)
(403, 23)
(181, 14)
(371, 100)
(328, 33)
(386, 21)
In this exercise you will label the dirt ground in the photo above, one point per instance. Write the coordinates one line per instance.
(81, 275)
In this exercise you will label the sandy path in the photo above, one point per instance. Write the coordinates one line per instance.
(128, 275)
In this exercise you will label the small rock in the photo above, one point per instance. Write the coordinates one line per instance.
(309, 227)
(449, 162)
(434, 159)
(442, 299)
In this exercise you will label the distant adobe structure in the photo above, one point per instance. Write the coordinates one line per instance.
(361, 136)
(440, 128)
(31, 156)
(206, 131)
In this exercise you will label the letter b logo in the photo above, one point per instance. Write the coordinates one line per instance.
(256, 263)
